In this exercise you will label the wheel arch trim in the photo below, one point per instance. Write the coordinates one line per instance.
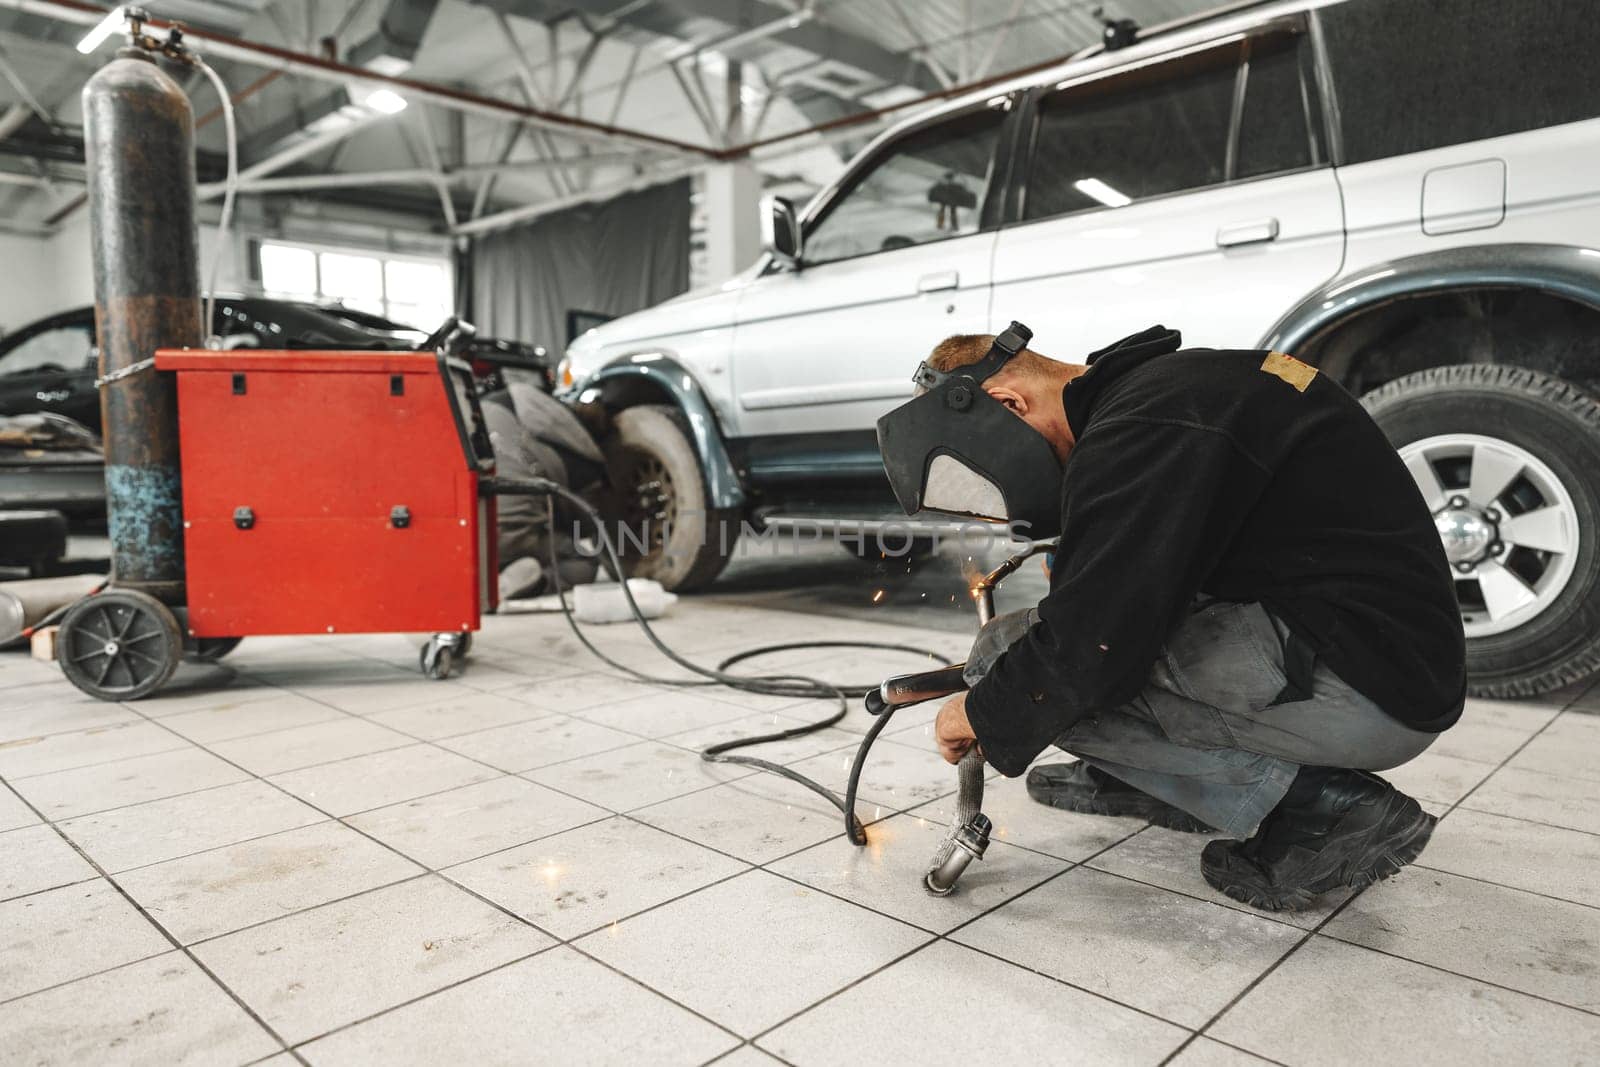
(1566, 271)
(666, 374)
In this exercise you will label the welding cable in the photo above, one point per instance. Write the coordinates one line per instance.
(781, 685)
(799, 686)
(230, 191)
(60, 613)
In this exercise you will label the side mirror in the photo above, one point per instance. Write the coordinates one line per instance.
(780, 230)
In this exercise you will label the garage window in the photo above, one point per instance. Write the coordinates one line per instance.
(411, 290)
(1412, 75)
(928, 186)
(1240, 110)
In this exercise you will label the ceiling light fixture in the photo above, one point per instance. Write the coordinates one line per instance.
(385, 101)
(115, 19)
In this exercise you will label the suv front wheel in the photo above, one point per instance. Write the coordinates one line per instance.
(664, 526)
(1508, 460)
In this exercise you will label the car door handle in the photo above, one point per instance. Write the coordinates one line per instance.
(938, 281)
(1248, 233)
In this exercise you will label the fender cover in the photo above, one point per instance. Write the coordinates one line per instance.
(1560, 270)
(723, 489)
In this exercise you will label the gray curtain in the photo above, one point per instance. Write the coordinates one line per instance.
(613, 258)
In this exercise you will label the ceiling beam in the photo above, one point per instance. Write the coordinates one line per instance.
(221, 46)
(392, 47)
(787, 27)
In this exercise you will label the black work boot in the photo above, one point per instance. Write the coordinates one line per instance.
(1335, 828)
(1076, 786)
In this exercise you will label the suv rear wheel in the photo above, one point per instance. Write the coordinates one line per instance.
(666, 529)
(1508, 460)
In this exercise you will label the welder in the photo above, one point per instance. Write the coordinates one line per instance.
(1250, 611)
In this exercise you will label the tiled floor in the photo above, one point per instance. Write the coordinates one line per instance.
(312, 854)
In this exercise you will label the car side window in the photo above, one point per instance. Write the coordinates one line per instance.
(1126, 137)
(1280, 123)
(67, 347)
(927, 186)
(1415, 76)
(1240, 110)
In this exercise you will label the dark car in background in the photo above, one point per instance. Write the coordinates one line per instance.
(50, 367)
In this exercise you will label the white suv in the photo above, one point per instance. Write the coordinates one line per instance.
(1405, 193)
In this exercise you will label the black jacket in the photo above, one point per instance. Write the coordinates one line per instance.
(1242, 476)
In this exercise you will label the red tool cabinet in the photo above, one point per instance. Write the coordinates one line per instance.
(332, 492)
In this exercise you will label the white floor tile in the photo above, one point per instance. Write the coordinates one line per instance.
(475, 820)
(64, 794)
(583, 879)
(913, 1012)
(13, 812)
(1178, 958)
(1566, 747)
(645, 773)
(282, 711)
(311, 972)
(554, 1008)
(176, 826)
(35, 858)
(757, 818)
(462, 714)
(1524, 855)
(304, 746)
(1204, 1052)
(1555, 799)
(382, 778)
(216, 892)
(37, 711)
(746, 1056)
(659, 715)
(895, 777)
(538, 743)
(362, 695)
(158, 1011)
(67, 933)
(1437, 777)
(698, 950)
(80, 748)
(566, 694)
(1491, 730)
(1331, 1002)
(207, 688)
(762, 723)
(1504, 936)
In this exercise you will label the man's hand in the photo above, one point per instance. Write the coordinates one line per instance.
(952, 730)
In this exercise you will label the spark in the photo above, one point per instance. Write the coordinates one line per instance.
(878, 596)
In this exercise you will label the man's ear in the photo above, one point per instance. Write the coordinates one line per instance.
(1009, 397)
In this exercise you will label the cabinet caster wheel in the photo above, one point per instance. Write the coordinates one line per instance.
(119, 645)
(211, 649)
(438, 656)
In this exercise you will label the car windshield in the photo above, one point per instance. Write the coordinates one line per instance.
(364, 319)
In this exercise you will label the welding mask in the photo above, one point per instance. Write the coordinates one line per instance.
(957, 450)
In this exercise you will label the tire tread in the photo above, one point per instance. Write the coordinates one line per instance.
(1499, 379)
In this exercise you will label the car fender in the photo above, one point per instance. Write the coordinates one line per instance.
(660, 373)
(1561, 270)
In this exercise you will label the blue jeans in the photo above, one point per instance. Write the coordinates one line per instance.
(1204, 735)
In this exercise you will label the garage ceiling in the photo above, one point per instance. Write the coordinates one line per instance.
(517, 107)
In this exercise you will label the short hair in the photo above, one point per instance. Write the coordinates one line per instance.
(965, 349)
